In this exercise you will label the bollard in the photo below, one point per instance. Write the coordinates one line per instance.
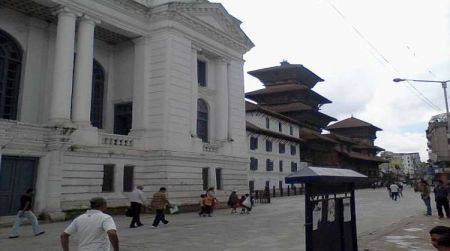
(288, 191)
(273, 191)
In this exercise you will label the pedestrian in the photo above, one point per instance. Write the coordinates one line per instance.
(246, 204)
(443, 243)
(233, 202)
(389, 191)
(159, 203)
(137, 200)
(436, 233)
(425, 195)
(394, 191)
(400, 189)
(203, 209)
(96, 230)
(440, 196)
(210, 201)
(26, 203)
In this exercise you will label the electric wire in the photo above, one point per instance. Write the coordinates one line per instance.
(384, 61)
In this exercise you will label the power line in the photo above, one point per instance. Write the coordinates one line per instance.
(385, 62)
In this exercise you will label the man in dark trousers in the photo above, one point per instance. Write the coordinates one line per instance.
(26, 202)
(137, 199)
(159, 203)
(440, 195)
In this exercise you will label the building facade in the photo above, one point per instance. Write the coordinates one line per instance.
(98, 96)
(438, 145)
(274, 147)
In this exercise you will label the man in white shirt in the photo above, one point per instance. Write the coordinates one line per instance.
(94, 228)
(137, 199)
(394, 191)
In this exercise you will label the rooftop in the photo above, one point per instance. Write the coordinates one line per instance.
(351, 123)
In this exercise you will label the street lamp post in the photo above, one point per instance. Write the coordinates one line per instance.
(444, 87)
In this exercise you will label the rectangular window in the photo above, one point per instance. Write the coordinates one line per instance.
(281, 166)
(128, 177)
(201, 73)
(293, 150)
(108, 178)
(219, 179)
(253, 143)
(268, 145)
(251, 185)
(253, 164)
(281, 148)
(205, 178)
(123, 118)
(269, 165)
(291, 130)
(293, 167)
(267, 122)
(280, 127)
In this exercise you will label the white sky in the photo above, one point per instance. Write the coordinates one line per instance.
(412, 35)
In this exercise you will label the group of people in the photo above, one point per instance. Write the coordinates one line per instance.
(441, 194)
(395, 190)
(245, 202)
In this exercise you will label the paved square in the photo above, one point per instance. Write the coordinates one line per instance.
(276, 226)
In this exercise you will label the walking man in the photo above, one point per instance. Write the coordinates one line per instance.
(26, 202)
(425, 194)
(137, 199)
(440, 195)
(394, 191)
(159, 203)
(94, 229)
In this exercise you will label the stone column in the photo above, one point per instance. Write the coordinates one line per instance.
(194, 92)
(221, 99)
(140, 85)
(61, 94)
(82, 90)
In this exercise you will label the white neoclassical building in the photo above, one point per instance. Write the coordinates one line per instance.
(274, 147)
(97, 96)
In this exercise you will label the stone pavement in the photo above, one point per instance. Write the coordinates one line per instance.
(275, 226)
(409, 234)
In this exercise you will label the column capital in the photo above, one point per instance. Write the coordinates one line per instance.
(64, 11)
(223, 60)
(143, 40)
(89, 20)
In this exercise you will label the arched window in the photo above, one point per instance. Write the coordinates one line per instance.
(10, 69)
(202, 120)
(98, 85)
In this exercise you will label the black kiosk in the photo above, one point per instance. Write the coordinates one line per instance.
(330, 216)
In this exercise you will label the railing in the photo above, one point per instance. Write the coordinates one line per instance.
(116, 140)
(212, 146)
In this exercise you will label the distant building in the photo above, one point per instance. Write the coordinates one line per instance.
(438, 144)
(274, 147)
(350, 144)
(355, 146)
(404, 164)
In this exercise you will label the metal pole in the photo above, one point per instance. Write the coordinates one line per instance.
(444, 86)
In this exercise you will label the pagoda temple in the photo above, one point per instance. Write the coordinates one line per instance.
(288, 91)
(356, 148)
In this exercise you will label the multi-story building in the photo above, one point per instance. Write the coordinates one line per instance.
(98, 96)
(403, 164)
(274, 147)
(355, 147)
(288, 91)
(438, 144)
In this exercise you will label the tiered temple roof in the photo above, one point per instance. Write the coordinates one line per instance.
(288, 91)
